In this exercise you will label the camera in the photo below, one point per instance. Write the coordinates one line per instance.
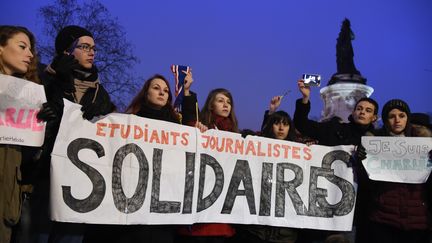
(312, 79)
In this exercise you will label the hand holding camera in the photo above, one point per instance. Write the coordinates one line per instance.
(306, 82)
(188, 80)
(304, 90)
(311, 79)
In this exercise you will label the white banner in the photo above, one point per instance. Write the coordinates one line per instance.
(398, 159)
(124, 169)
(20, 101)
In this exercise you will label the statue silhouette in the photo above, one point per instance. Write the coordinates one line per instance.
(346, 70)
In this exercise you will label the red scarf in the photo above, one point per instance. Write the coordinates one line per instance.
(223, 123)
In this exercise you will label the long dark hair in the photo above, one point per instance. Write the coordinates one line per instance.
(277, 117)
(206, 115)
(6, 33)
(141, 98)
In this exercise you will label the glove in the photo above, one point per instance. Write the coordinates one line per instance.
(48, 112)
(64, 65)
(360, 153)
(246, 132)
(101, 106)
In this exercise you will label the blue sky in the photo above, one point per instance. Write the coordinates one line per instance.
(258, 49)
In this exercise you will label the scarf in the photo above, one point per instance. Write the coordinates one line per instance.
(83, 80)
(163, 114)
(223, 123)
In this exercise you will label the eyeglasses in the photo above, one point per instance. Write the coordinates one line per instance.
(86, 47)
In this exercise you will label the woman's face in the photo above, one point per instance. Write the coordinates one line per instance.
(280, 130)
(397, 121)
(16, 56)
(85, 51)
(221, 105)
(158, 93)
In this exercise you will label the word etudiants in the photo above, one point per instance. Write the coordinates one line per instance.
(144, 133)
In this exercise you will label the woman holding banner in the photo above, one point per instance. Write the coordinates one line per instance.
(17, 58)
(217, 113)
(396, 212)
(276, 125)
(154, 101)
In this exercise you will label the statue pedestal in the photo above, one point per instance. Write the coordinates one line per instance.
(340, 99)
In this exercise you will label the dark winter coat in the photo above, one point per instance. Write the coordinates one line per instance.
(329, 133)
(163, 114)
(55, 94)
(401, 205)
(189, 109)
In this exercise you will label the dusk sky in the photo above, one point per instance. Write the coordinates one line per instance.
(258, 49)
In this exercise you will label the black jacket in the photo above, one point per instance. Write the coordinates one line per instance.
(164, 114)
(329, 133)
(189, 109)
(55, 94)
(188, 114)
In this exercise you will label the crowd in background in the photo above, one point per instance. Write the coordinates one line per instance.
(385, 211)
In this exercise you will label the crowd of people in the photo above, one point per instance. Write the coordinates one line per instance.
(385, 211)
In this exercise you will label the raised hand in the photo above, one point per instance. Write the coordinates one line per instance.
(304, 90)
(274, 104)
(187, 82)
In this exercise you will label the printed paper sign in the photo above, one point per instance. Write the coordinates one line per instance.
(20, 101)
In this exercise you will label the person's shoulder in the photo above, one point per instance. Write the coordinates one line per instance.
(379, 132)
(45, 77)
(334, 121)
(421, 131)
(370, 133)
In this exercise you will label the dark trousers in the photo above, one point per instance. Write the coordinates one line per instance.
(381, 233)
(129, 233)
(202, 239)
